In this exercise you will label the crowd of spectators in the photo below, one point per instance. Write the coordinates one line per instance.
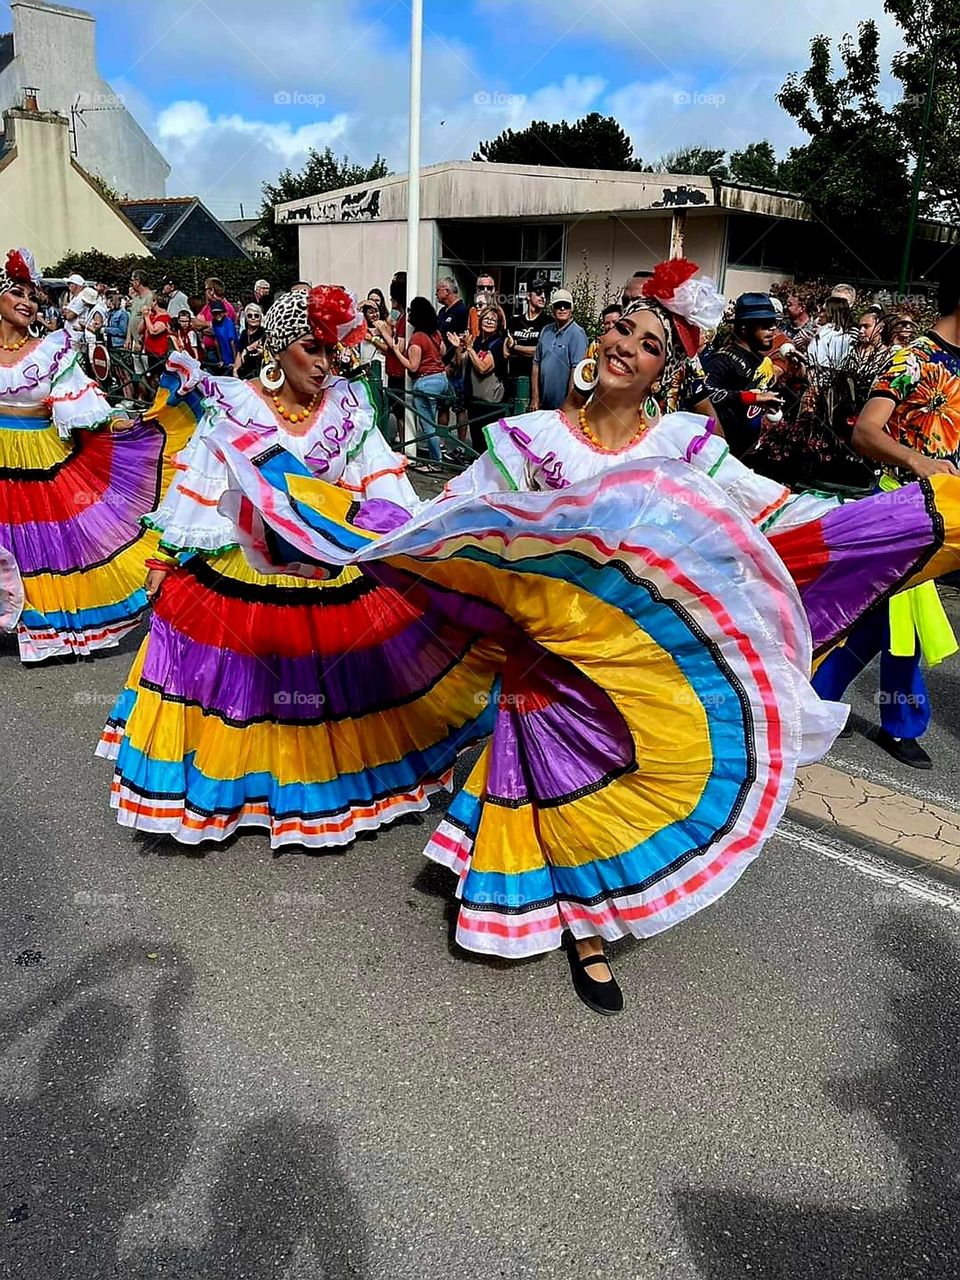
(140, 324)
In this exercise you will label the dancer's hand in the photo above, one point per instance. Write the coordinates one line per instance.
(154, 582)
(923, 467)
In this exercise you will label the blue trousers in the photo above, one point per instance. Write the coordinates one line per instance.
(430, 393)
(903, 699)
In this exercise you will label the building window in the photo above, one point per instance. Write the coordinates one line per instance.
(514, 253)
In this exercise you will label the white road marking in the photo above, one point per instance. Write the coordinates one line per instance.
(909, 883)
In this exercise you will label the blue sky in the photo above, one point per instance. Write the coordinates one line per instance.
(233, 92)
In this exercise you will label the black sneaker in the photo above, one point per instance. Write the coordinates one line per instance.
(601, 996)
(907, 750)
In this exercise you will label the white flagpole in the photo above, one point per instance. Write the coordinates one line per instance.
(413, 186)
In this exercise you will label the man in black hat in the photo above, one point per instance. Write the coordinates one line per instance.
(740, 377)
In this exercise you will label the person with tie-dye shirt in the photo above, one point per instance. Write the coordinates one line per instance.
(910, 424)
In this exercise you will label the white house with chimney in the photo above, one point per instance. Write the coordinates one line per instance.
(52, 50)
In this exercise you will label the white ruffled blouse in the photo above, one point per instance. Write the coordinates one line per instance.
(342, 445)
(51, 373)
(545, 450)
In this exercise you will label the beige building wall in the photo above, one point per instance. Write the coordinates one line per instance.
(745, 281)
(615, 246)
(626, 245)
(47, 203)
(363, 256)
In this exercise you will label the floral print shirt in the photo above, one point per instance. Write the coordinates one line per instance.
(923, 381)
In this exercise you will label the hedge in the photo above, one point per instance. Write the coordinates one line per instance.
(238, 274)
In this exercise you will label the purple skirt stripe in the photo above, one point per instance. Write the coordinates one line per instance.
(243, 688)
(566, 747)
(110, 521)
(874, 546)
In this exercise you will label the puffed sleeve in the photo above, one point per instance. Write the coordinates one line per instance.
(76, 401)
(373, 470)
(764, 502)
(188, 519)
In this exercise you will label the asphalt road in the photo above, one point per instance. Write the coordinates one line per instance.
(236, 1065)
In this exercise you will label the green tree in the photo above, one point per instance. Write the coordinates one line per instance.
(695, 159)
(595, 142)
(322, 172)
(931, 30)
(852, 171)
(756, 165)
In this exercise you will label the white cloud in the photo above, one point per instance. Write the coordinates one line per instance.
(224, 159)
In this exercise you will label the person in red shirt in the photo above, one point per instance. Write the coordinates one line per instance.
(156, 342)
(214, 291)
(424, 358)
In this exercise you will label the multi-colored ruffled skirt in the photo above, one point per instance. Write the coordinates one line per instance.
(297, 706)
(644, 659)
(857, 556)
(70, 530)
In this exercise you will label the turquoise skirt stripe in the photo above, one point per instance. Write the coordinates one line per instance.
(159, 779)
(10, 423)
(87, 619)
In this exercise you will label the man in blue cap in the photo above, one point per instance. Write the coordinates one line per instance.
(740, 377)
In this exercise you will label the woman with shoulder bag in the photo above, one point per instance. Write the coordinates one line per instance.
(424, 359)
(485, 369)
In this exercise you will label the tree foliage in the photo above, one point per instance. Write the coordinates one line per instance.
(238, 274)
(323, 172)
(852, 171)
(694, 159)
(931, 33)
(756, 165)
(595, 142)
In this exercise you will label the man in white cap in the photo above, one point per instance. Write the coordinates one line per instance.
(561, 347)
(76, 306)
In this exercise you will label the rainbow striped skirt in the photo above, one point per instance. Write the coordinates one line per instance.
(641, 658)
(303, 707)
(70, 522)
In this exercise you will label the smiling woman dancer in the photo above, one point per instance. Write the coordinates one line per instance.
(649, 656)
(72, 490)
(273, 701)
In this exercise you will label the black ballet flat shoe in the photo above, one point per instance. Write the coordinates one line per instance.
(601, 997)
(907, 750)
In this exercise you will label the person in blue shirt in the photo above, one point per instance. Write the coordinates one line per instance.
(561, 347)
(224, 333)
(118, 320)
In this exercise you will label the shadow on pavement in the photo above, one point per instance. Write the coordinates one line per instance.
(278, 1188)
(106, 1127)
(915, 1101)
(79, 1158)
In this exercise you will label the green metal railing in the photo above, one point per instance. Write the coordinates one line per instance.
(456, 452)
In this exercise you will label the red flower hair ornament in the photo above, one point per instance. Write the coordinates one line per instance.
(694, 304)
(20, 268)
(334, 316)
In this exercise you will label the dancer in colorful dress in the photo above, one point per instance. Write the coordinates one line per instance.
(73, 485)
(649, 656)
(277, 702)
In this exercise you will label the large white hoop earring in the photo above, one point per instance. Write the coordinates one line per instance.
(270, 380)
(585, 376)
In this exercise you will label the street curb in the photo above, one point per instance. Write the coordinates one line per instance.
(948, 876)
